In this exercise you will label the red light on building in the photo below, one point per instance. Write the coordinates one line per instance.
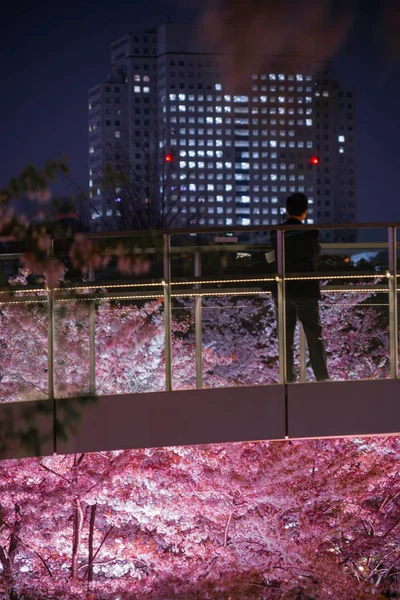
(314, 160)
(168, 158)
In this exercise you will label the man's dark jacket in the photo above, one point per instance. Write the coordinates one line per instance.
(301, 251)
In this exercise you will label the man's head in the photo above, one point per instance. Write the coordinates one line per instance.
(297, 206)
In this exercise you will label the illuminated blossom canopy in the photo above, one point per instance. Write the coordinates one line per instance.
(262, 520)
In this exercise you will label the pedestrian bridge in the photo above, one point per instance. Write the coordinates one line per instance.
(59, 393)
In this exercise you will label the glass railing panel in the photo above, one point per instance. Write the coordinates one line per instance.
(356, 330)
(130, 356)
(109, 320)
(23, 348)
(240, 345)
(225, 281)
(23, 330)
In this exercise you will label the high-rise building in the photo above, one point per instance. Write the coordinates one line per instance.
(214, 155)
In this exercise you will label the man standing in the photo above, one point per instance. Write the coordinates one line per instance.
(301, 251)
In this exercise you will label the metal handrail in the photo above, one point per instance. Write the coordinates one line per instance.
(228, 230)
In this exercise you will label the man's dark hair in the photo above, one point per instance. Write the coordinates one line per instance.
(296, 205)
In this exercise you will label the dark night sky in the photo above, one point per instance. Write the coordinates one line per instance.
(52, 54)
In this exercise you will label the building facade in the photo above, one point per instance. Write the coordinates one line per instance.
(210, 155)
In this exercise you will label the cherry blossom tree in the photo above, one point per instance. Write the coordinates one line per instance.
(313, 519)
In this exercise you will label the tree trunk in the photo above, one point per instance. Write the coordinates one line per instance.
(91, 534)
(7, 558)
(76, 538)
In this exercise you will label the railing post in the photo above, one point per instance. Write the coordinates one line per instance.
(281, 305)
(50, 351)
(198, 324)
(393, 304)
(92, 341)
(303, 356)
(167, 312)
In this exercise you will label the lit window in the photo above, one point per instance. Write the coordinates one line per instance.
(325, 94)
(91, 150)
(182, 108)
(136, 88)
(146, 90)
(172, 97)
(220, 198)
(341, 139)
(299, 77)
(240, 98)
(218, 87)
(341, 150)
(309, 122)
(182, 164)
(191, 165)
(181, 97)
